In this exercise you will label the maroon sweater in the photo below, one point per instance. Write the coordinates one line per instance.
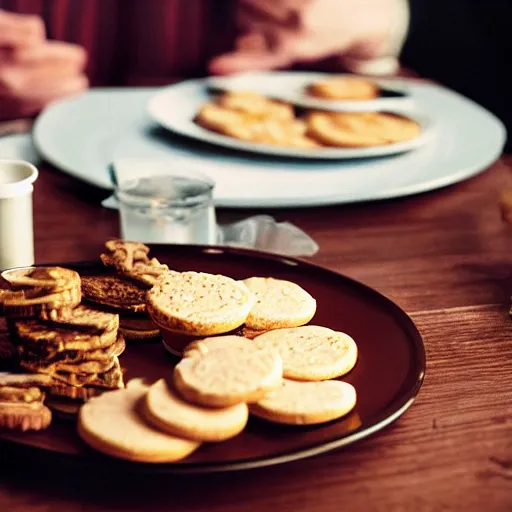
(138, 42)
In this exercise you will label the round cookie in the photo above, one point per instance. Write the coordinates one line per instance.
(256, 106)
(199, 304)
(269, 128)
(311, 352)
(206, 345)
(52, 279)
(111, 424)
(281, 133)
(306, 403)
(168, 412)
(279, 304)
(344, 88)
(228, 376)
(224, 121)
(114, 292)
(355, 129)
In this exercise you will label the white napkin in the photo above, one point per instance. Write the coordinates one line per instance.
(260, 232)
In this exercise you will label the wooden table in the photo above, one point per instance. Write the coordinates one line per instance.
(446, 258)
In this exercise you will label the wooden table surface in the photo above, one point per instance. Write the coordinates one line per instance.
(446, 258)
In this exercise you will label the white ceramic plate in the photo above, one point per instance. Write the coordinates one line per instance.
(176, 106)
(83, 135)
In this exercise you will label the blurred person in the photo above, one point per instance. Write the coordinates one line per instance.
(462, 43)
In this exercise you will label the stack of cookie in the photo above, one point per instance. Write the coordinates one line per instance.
(80, 352)
(33, 292)
(215, 387)
(77, 347)
(125, 291)
(283, 375)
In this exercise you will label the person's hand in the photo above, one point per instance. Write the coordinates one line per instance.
(33, 70)
(280, 33)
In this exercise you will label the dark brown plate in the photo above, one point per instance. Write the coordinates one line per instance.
(387, 377)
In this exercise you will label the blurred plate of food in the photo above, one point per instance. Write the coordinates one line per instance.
(250, 121)
(83, 135)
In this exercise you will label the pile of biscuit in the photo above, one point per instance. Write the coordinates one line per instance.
(70, 350)
(284, 374)
(124, 290)
(252, 117)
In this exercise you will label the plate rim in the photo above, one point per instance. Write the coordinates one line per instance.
(385, 418)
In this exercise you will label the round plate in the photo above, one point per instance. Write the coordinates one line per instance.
(176, 106)
(112, 124)
(387, 376)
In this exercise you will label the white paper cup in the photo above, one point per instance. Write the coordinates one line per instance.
(16, 225)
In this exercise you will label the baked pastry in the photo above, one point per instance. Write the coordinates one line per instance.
(228, 376)
(306, 403)
(112, 424)
(165, 409)
(344, 88)
(279, 304)
(311, 352)
(355, 129)
(199, 304)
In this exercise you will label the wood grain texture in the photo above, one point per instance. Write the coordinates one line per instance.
(445, 257)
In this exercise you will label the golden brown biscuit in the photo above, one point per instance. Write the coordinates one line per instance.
(31, 353)
(84, 318)
(279, 303)
(32, 302)
(110, 379)
(276, 130)
(224, 121)
(199, 304)
(131, 259)
(82, 367)
(256, 106)
(114, 292)
(228, 376)
(344, 88)
(306, 403)
(311, 352)
(354, 129)
(50, 279)
(41, 337)
(169, 412)
(112, 424)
